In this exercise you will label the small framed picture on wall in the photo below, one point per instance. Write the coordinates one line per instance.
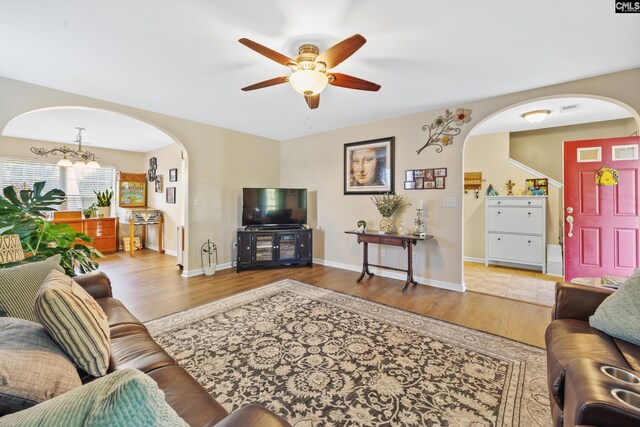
(173, 175)
(171, 194)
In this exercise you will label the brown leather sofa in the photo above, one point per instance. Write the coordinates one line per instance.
(133, 347)
(580, 392)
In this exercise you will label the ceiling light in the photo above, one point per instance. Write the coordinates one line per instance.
(64, 162)
(81, 155)
(308, 82)
(536, 116)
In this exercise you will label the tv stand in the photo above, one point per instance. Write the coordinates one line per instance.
(273, 248)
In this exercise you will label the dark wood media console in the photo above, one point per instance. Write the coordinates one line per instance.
(272, 248)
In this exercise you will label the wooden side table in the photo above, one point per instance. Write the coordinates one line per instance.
(392, 239)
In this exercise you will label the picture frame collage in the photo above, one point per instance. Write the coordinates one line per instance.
(425, 179)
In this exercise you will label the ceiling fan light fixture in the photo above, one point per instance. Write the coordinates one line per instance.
(536, 116)
(308, 82)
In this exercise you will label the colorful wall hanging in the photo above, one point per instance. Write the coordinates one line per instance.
(442, 131)
(607, 176)
(537, 186)
(425, 179)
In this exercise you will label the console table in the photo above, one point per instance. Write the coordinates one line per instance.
(392, 239)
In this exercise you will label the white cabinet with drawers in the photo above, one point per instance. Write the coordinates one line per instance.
(516, 230)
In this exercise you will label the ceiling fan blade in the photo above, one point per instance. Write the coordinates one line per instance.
(267, 83)
(269, 53)
(341, 51)
(350, 82)
(313, 101)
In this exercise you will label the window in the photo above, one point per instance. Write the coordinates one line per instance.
(79, 184)
(589, 154)
(624, 152)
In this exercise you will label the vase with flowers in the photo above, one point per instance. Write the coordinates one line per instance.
(387, 205)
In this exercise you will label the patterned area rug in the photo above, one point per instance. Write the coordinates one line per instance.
(322, 358)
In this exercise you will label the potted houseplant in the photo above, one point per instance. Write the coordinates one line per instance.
(104, 203)
(89, 212)
(23, 213)
(387, 205)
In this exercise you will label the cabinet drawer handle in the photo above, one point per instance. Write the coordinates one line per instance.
(498, 238)
(302, 246)
(529, 241)
(498, 212)
(529, 213)
(499, 203)
(529, 202)
(247, 247)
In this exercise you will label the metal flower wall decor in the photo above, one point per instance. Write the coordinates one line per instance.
(442, 130)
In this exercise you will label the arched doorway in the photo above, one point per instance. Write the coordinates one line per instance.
(498, 138)
(122, 143)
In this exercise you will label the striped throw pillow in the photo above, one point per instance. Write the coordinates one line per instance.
(19, 286)
(75, 321)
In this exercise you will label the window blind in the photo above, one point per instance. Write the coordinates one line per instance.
(78, 183)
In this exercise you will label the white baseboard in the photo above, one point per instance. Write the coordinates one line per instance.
(474, 259)
(459, 287)
(157, 249)
(200, 271)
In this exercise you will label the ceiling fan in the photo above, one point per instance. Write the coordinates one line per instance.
(311, 70)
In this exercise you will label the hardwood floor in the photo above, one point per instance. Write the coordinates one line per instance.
(151, 286)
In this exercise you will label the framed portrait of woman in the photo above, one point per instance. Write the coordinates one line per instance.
(369, 166)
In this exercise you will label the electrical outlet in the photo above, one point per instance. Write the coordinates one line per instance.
(383, 252)
(415, 256)
(196, 201)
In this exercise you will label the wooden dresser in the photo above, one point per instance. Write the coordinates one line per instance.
(103, 230)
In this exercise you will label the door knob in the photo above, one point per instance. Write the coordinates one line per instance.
(569, 220)
(569, 210)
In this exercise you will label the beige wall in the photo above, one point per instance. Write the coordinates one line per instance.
(527, 146)
(168, 157)
(122, 160)
(219, 161)
(489, 154)
(316, 162)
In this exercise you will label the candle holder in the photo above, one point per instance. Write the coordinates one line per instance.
(420, 224)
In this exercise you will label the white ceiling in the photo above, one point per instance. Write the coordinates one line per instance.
(183, 58)
(102, 129)
(576, 111)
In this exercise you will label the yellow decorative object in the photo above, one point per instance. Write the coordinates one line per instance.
(607, 176)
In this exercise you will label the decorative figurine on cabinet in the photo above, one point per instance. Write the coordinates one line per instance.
(491, 191)
(509, 186)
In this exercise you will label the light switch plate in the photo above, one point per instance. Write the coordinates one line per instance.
(449, 202)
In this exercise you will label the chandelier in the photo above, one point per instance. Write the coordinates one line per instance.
(83, 158)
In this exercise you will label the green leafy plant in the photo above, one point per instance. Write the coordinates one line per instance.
(90, 210)
(23, 213)
(104, 197)
(388, 203)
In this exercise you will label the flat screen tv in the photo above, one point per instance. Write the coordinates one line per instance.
(272, 207)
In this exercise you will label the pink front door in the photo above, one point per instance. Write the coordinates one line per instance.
(600, 222)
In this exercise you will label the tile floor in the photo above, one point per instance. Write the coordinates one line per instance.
(512, 283)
